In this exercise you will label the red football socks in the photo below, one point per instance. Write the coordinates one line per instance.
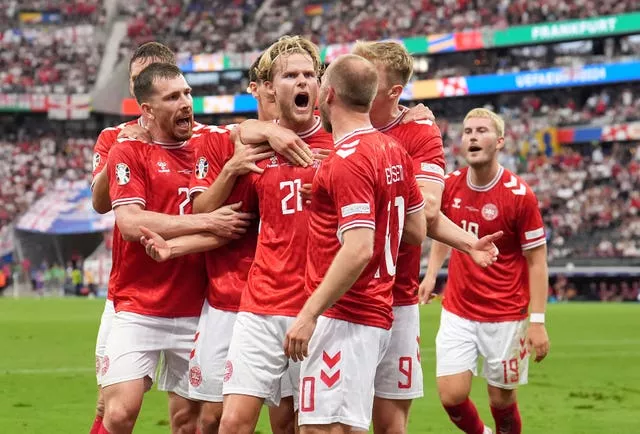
(465, 416)
(97, 423)
(507, 419)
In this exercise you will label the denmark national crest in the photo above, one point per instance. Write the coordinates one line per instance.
(96, 160)
(123, 174)
(489, 212)
(195, 376)
(202, 167)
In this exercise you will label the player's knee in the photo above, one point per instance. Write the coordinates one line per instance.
(185, 420)
(210, 422)
(233, 422)
(283, 425)
(450, 396)
(501, 398)
(120, 418)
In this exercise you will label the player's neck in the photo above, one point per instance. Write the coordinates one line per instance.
(345, 122)
(483, 175)
(160, 136)
(297, 127)
(382, 118)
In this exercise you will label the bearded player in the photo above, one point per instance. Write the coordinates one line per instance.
(156, 307)
(145, 55)
(498, 312)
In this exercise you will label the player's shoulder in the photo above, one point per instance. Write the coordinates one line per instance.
(319, 139)
(514, 186)
(456, 177)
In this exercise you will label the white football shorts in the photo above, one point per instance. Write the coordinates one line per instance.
(501, 344)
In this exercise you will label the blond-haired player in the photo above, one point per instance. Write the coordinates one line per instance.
(399, 375)
(484, 311)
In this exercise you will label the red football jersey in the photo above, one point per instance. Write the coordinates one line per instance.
(499, 292)
(227, 266)
(366, 182)
(101, 149)
(277, 276)
(157, 178)
(423, 142)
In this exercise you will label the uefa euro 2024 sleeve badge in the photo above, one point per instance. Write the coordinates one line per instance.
(202, 167)
(123, 174)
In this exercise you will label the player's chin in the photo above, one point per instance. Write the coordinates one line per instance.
(182, 134)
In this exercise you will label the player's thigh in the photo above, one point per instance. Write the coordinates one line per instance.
(183, 413)
(337, 379)
(399, 374)
(504, 348)
(256, 362)
(456, 345)
(334, 428)
(133, 348)
(106, 321)
(174, 373)
(241, 413)
(208, 358)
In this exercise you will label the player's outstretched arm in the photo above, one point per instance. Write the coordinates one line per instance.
(162, 250)
(282, 140)
(415, 228)
(348, 264)
(482, 251)
(537, 337)
(432, 196)
(437, 255)
(100, 193)
(226, 222)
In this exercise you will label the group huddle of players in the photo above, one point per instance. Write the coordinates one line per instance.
(277, 261)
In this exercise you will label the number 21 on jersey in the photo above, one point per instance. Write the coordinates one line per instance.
(292, 202)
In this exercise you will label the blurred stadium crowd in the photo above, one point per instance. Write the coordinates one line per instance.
(589, 193)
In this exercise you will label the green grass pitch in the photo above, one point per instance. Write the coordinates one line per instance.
(590, 383)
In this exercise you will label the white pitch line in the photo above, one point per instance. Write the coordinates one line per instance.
(77, 370)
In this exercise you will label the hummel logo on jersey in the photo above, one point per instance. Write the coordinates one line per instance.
(163, 167)
(456, 202)
(96, 160)
(513, 182)
(347, 149)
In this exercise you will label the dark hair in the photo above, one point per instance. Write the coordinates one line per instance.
(153, 50)
(143, 87)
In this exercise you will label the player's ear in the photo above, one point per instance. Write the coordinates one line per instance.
(500, 143)
(147, 110)
(395, 91)
(331, 94)
(270, 89)
(253, 89)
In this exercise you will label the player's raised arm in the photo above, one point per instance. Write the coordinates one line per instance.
(282, 140)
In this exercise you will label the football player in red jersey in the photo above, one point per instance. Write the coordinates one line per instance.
(484, 311)
(365, 198)
(274, 294)
(142, 57)
(399, 377)
(156, 306)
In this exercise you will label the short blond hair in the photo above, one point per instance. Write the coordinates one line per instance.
(287, 45)
(497, 121)
(396, 59)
